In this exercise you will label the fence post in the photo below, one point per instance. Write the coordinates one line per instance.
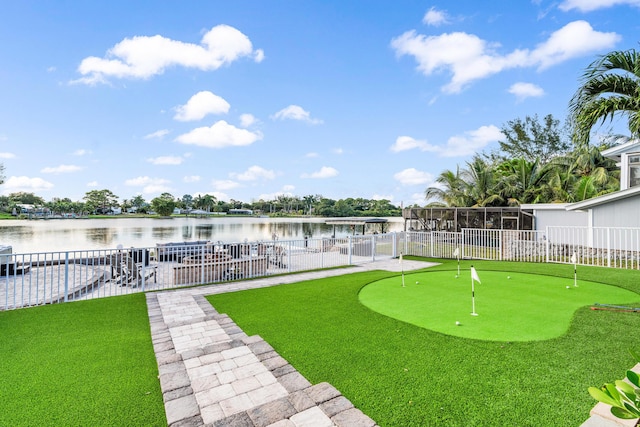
(393, 245)
(66, 276)
(373, 247)
(289, 257)
(349, 252)
(547, 244)
(431, 243)
(608, 246)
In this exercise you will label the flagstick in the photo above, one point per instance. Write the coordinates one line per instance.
(458, 266)
(402, 269)
(473, 297)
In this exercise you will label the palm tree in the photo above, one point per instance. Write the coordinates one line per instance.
(481, 183)
(451, 190)
(610, 86)
(522, 181)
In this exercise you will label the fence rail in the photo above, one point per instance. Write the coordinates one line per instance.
(53, 277)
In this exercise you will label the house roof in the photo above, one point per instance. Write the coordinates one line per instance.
(607, 198)
(544, 206)
(616, 152)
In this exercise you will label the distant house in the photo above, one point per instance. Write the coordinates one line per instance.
(240, 212)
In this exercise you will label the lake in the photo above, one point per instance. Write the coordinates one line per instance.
(51, 235)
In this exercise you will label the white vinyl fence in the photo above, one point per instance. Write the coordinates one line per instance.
(597, 246)
(53, 277)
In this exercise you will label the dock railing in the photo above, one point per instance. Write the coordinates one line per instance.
(33, 279)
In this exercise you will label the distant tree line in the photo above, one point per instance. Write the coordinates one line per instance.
(104, 202)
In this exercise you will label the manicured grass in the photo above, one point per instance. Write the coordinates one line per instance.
(509, 306)
(88, 363)
(404, 375)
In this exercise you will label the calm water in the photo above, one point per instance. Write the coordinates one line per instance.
(74, 234)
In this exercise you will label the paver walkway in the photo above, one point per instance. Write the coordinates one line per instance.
(213, 374)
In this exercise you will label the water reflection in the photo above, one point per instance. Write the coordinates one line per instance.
(75, 234)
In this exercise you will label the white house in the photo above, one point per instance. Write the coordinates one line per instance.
(603, 218)
(627, 157)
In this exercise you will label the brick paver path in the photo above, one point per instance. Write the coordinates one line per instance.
(213, 374)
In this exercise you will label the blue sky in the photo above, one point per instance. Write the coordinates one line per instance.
(254, 99)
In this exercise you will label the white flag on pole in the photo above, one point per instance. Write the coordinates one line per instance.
(474, 275)
(400, 259)
(573, 258)
(456, 253)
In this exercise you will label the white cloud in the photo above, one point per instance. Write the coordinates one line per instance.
(312, 155)
(4, 138)
(247, 120)
(191, 178)
(92, 184)
(435, 17)
(288, 187)
(275, 195)
(468, 58)
(150, 185)
(417, 199)
(221, 134)
(324, 172)
(525, 90)
(591, 5)
(138, 181)
(166, 160)
(457, 146)
(338, 151)
(7, 156)
(471, 141)
(81, 152)
(15, 184)
(404, 143)
(573, 40)
(200, 105)
(254, 173)
(142, 57)
(412, 176)
(295, 112)
(62, 169)
(224, 184)
(159, 134)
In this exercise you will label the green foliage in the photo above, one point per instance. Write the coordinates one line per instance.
(87, 363)
(100, 200)
(164, 204)
(403, 375)
(26, 198)
(623, 397)
(610, 86)
(531, 140)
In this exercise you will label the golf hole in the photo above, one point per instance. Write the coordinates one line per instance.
(526, 307)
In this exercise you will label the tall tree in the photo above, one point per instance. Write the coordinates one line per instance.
(530, 139)
(164, 204)
(610, 86)
(100, 199)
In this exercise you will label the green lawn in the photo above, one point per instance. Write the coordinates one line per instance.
(509, 306)
(88, 363)
(404, 375)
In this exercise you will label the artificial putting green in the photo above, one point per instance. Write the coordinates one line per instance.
(509, 306)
